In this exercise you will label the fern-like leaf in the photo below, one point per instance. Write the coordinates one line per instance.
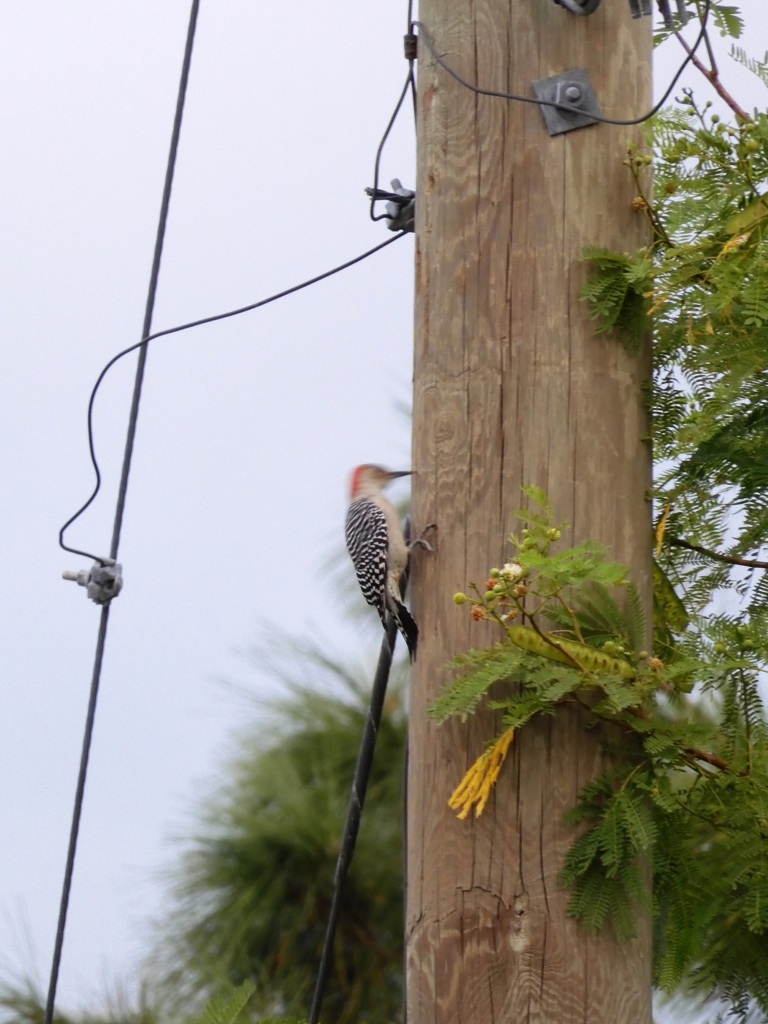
(226, 1009)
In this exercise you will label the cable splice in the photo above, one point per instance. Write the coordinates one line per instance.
(102, 581)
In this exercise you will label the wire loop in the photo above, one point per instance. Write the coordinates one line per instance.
(176, 330)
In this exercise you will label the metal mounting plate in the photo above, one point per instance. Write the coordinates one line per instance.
(574, 89)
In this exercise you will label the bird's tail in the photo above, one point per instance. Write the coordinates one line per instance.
(406, 625)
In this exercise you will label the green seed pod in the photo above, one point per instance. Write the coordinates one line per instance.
(590, 659)
(460, 598)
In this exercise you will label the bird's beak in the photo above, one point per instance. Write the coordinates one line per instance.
(400, 472)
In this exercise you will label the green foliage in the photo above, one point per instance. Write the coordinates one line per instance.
(759, 68)
(726, 18)
(687, 806)
(616, 292)
(704, 279)
(226, 1008)
(24, 1003)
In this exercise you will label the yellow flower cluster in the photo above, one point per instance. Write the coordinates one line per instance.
(475, 787)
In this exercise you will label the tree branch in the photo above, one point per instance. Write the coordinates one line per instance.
(713, 78)
(750, 563)
(702, 755)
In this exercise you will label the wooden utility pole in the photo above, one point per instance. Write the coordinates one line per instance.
(512, 387)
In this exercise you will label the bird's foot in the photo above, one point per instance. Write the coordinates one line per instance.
(420, 541)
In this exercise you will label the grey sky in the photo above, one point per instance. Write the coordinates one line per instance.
(247, 429)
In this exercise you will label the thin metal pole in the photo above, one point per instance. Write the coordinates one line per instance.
(75, 827)
(119, 511)
(354, 810)
(147, 327)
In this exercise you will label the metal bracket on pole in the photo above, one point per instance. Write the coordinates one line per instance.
(103, 581)
(574, 90)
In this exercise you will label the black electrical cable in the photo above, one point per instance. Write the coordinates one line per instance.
(102, 634)
(175, 330)
(355, 808)
(410, 82)
(424, 35)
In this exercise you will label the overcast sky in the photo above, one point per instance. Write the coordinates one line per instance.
(247, 428)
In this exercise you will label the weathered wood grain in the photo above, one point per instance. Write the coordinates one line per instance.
(512, 386)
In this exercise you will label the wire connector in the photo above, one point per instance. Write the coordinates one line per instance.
(103, 581)
(401, 205)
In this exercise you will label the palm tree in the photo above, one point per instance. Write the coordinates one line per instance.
(254, 885)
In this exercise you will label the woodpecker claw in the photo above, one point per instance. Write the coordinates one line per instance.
(420, 542)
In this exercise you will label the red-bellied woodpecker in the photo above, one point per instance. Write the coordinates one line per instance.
(378, 548)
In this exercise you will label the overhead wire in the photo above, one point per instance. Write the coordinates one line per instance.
(569, 108)
(119, 511)
(410, 84)
(175, 330)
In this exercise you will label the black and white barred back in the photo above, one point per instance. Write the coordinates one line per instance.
(368, 542)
